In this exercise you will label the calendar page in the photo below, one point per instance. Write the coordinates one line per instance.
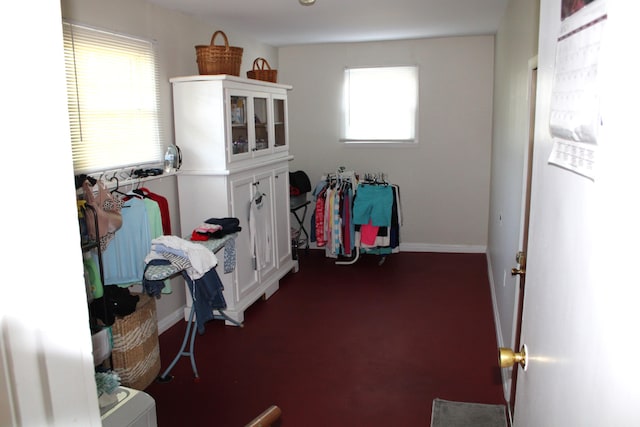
(575, 117)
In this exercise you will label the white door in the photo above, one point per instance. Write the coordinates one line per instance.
(246, 275)
(581, 313)
(264, 185)
(282, 232)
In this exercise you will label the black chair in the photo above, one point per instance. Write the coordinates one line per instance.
(299, 188)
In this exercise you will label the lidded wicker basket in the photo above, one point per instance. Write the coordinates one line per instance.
(218, 59)
(262, 71)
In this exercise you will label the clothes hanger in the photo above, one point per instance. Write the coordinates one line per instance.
(257, 198)
(117, 189)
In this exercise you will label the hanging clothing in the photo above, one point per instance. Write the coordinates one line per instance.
(260, 232)
(319, 218)
(350, 213)
(107, 210)
(206, 293)
(163, 205)
(123, 259)
(373, 204)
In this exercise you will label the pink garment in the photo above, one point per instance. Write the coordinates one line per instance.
(368, 233)
(320, 238)
(107, 210)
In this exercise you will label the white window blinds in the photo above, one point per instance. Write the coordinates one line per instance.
(113, 87)
(380, 105)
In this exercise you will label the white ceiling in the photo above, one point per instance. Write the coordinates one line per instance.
(287, 22)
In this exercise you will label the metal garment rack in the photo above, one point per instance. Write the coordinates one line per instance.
(161, 272)
(373, 178)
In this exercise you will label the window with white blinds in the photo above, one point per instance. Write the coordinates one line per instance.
(113, 98)
(380, 105)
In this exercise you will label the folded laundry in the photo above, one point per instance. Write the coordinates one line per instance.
(205, 231)
(229, 226)
(208, 228)
(199, 237)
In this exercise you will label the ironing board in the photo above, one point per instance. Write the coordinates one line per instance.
(161, 272)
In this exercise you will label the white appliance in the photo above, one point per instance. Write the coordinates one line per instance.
(133, 408)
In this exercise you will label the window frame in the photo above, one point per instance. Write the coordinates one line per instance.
(413, 101)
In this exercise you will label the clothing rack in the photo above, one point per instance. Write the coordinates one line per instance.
(356, 213)
(115, 179)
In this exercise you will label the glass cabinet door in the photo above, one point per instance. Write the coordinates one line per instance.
(261, 123)
(239, 128)
(280, 122)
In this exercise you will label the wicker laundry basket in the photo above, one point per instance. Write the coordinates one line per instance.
(262, 71)
(136, 351)
(217, 59)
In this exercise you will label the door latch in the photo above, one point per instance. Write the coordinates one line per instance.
(521, 259)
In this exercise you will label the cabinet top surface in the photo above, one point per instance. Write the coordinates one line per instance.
(226, 77)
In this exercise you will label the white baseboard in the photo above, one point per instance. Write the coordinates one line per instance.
(504, 373)
(427, 247)
(170, 320)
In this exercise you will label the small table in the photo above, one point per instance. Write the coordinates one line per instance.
(300, 219)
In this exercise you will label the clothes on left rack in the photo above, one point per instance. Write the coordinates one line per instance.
(163, 205)
(142, 216)
(107, 211)
(123, 259)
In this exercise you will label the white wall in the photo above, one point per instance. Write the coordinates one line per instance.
(444, 180)
(516, 45)
(176, 35)
(46, 373)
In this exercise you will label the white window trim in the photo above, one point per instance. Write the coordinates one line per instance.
(373, 142)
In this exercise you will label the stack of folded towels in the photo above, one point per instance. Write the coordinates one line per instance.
(216, 228)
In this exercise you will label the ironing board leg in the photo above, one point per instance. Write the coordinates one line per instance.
(192, 353)
(189, 333)
(224, 316)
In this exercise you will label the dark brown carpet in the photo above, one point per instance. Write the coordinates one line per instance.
(358, 345)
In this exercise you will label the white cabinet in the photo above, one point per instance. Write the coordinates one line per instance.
(224, 121)
(233, 135)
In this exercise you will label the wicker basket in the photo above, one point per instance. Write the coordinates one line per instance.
(136, 352)
(214, 59)
(259, 72)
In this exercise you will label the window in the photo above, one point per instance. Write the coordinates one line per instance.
(112, 88)
(380, 105)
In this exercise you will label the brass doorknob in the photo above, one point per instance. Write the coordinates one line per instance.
(507, 357)
(517, 271)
